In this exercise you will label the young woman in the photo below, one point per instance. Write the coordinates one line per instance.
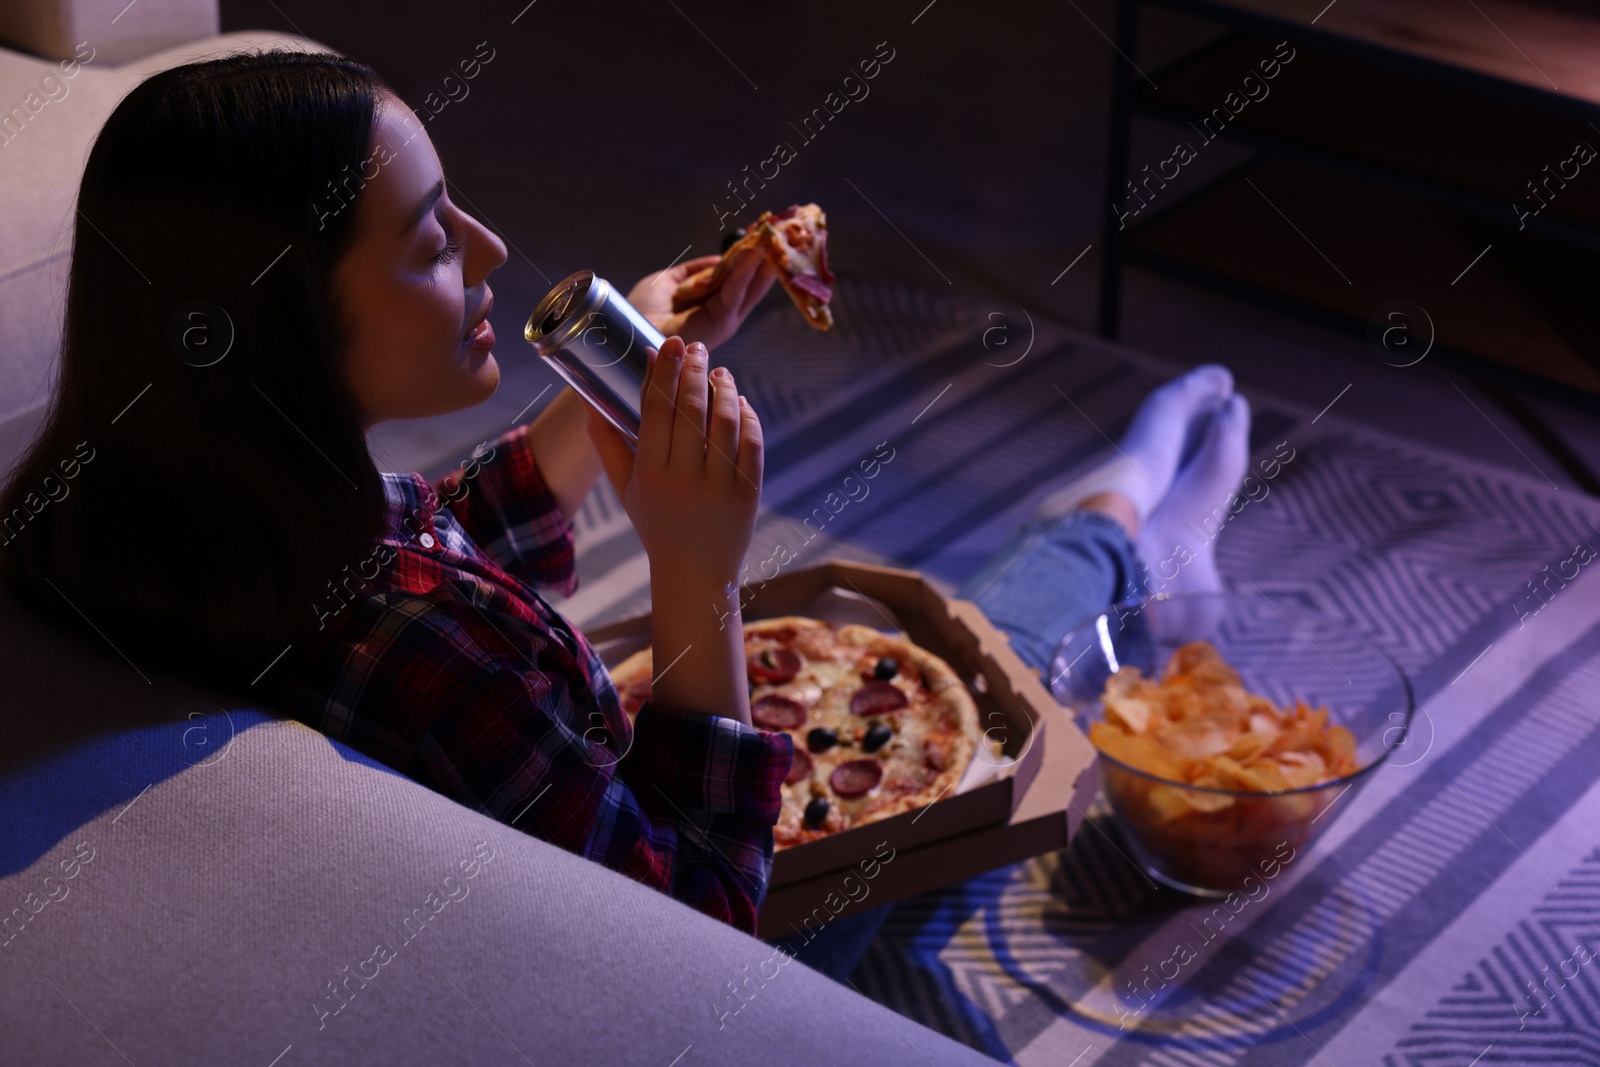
(267, 264)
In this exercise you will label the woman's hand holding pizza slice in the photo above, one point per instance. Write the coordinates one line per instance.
(713, 318)
(794, 241)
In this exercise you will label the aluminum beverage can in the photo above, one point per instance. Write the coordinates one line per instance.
(589, 333)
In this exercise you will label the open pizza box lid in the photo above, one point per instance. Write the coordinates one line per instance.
(1006, 809)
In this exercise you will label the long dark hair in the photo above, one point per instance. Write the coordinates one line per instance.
(187, 508)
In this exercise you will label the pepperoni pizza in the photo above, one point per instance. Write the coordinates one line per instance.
(795, 241)
(880, 725)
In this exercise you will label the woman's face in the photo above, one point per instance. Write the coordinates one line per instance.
(413, 285)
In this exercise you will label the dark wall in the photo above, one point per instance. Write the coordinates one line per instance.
(602, 134)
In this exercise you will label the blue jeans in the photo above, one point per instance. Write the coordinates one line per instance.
(1051, 575)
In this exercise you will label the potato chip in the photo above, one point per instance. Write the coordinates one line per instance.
(1200, 663)
(1130, 712)
(1137, 751)
(1250, 745)
(1303, 768)
(1205, 802)
(1339, 751)
(1167, 802)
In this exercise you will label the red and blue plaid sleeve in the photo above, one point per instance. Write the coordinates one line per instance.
(711, 778)
(683, 805)
(500, 498)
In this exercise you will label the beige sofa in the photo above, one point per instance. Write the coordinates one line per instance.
(186, 879)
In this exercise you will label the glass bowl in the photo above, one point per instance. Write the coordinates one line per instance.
(1208, 841)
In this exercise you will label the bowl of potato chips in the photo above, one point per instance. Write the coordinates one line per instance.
(1227, 726)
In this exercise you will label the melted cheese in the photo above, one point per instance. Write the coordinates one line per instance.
(796, 231)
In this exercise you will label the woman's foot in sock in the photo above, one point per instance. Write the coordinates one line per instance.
(1178, 539)
(1163, 430)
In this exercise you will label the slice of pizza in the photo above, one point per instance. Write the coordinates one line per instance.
(795, 241)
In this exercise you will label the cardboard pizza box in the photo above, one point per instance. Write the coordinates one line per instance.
(1032, 801)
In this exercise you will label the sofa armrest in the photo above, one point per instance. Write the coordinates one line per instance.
(230, 886)
(116, 30)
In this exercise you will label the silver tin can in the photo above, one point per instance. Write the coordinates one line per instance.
(596, 341)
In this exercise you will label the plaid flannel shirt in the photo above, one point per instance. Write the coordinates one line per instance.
(437, 658)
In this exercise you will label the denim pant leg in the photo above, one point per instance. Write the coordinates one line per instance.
(1051, 574)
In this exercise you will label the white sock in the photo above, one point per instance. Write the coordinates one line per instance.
(1165, 428)
(1178, 541)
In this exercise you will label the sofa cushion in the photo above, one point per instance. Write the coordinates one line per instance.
(119, 32)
